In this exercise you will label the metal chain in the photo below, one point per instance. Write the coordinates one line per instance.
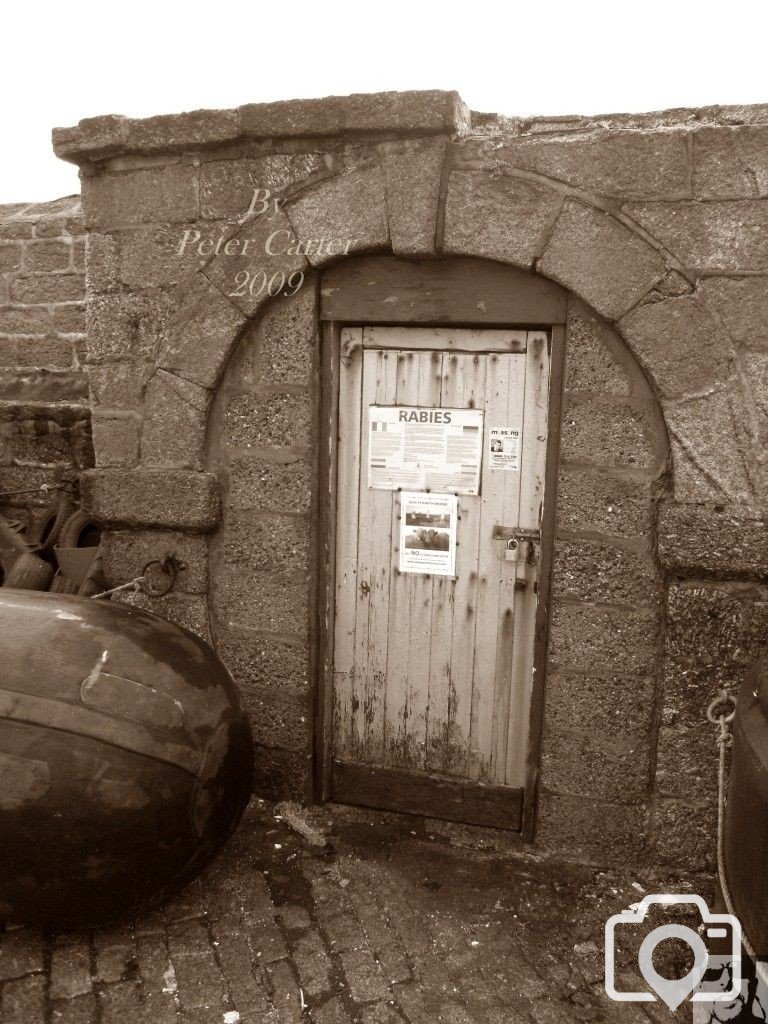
(134, 584)
(718, 716)
(169, 564)
(33, 490)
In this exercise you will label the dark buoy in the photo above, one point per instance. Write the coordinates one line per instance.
(746, 819)
(125, 759)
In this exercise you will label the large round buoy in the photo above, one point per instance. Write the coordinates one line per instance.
(126, 760)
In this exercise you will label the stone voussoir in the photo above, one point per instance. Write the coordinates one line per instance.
(680, 344)
(344, 215)
(202, 333)
(599, 258)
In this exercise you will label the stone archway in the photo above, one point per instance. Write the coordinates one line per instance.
(444, 198)
(605, 259)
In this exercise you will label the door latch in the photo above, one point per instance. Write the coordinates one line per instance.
(522, 547)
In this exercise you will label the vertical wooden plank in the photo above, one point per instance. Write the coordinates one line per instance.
(324, 562)
(373, 570)
(534, 462)
(410, 601)
(453, 612)
(557, 356)
(505, 380)
(347, 483)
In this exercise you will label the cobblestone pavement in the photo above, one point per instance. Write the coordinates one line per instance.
(399, 920)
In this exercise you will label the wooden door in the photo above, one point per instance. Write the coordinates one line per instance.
(432, 674)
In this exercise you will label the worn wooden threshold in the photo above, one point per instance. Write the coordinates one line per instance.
(392, 789)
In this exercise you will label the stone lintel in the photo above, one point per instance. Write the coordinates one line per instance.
(420, 112)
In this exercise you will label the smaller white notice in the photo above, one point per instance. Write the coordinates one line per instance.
(428, 533)
(504, 448)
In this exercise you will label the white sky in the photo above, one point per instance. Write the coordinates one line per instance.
(77, 58)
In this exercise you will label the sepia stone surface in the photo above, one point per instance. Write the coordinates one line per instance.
(600, 259)
(506, 219)
(653, 222)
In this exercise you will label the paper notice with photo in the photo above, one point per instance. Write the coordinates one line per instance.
(428, 533)
(424, 448)
(504, 448)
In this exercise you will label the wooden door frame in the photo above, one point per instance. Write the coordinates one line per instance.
(461, 293)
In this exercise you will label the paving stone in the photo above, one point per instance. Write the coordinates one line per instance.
(534, 910)
(265, 939)
(21, 952)
(344, 932)
(294, 916)
(199, 980)
(381, 1013)
(158, 979)
(70, 970)
(364, 976)
(112, 962)
(80, 1010)
(394, 963)
(23, 1001)
(243, 977)
(286, 996)
(120, 1003)
(186, 937)
(313, 964)
(331, 1012)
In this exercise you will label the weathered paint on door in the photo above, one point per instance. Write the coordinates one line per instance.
(433, 675)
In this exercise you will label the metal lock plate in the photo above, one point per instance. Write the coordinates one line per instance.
(512, 550)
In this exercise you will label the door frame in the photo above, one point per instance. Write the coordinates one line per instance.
(439, 293)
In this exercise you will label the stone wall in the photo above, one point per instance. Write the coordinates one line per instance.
(260, 446)
(44, 413)
(605, 649)
(655, 223)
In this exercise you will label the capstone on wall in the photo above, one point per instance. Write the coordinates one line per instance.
(655, 223)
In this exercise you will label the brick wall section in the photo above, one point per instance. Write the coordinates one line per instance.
(44, 414)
